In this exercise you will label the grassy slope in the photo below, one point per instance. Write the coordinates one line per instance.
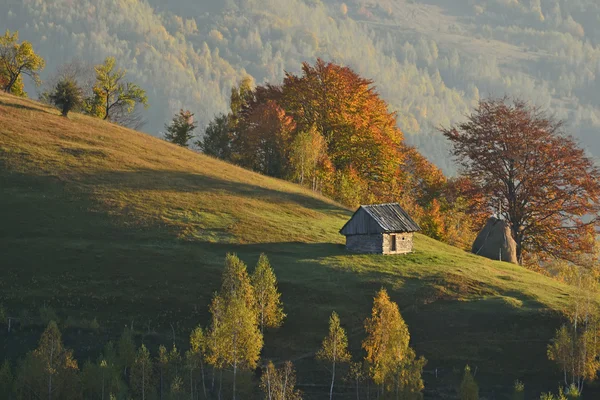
(102, 222)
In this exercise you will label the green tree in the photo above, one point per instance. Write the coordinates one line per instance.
(280, 383)
(163, 364)
(334, 348)
(268, 302)
(216, 141)
(126, 350)
(114, 98)
(468, 387)
(6, 381)
(181, 129)
(141, 374)
(235, 339)
(67, 96)
(18, 60)
(387, 339)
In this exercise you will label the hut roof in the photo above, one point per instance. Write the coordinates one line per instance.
(380, 218)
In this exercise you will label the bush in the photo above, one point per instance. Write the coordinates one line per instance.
(67, 96)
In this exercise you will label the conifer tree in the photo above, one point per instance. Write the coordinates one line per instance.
(141, 374)
(181, 129)
(235, 339)
(387, 339)
(264, 282)
(67, 96)
(468, 387)
(334, 348)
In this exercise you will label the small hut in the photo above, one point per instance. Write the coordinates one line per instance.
(495, 242)
(380, 229)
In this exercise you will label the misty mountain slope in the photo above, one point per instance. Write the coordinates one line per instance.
(105, 223)
(430, 59)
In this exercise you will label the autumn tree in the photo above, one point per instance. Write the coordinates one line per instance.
(469, 390)
(141, 374)
(16, 60)
(263, 139)
(181, 129)
(235, 338)
(334, 348)
(67, 96)
(279, 383)
(50, 371)
(308, 151)
(195, 356)
(114, 99)
(531, 173)
(268, 302)
(575, 348)
(387, 341)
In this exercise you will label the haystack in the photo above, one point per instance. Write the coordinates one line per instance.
(495, 242)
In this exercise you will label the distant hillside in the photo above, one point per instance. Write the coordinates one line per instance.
(431, 59)
(103, 222)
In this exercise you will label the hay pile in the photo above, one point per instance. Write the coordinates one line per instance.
(495, 242)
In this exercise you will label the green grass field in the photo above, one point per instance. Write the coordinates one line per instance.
(103, 222)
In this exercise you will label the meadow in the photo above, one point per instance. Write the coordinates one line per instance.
(103, 227)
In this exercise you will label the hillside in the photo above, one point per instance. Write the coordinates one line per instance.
(431, 59)
(102, 222)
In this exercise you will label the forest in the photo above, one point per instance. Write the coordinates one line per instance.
(432, 60)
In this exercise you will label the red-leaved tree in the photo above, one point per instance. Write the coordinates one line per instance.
(537, 177)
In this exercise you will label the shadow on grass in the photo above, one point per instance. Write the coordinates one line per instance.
(145, 179)
(62, 251)
(22, 107)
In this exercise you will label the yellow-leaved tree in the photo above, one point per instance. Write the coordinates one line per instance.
(268, 302)
(16, 60)
(334, 348)
(392, 363)
(235, 338)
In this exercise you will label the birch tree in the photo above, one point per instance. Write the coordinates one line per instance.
(387, 340)
(141, 374)
(334, 348)
(268, 302)
(235, 339)
(279, 383)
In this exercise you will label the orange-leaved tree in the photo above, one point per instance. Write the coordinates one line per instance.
(533, 174)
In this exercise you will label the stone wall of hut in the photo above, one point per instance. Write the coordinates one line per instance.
(404, 243)
(380, 243)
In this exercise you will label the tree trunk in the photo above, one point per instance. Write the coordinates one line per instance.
(192, 383)
(234, 376)
(332, 380)
(220, 383)
(202, 371)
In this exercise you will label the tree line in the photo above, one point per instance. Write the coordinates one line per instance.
(109, 97)
(245, 306)
(241, 310)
